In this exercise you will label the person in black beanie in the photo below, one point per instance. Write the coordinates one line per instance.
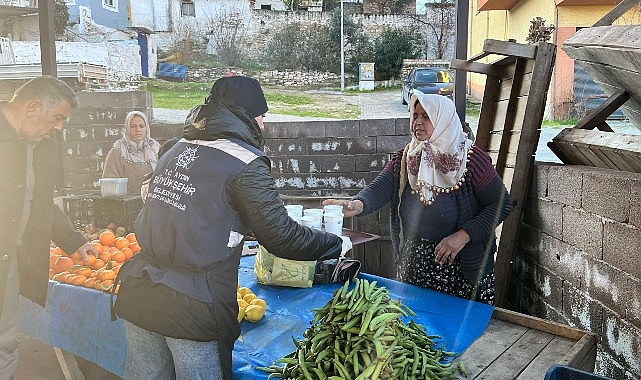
(178, 295)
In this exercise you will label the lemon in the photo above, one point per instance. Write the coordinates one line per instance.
(253, 313)
(249, 297)
(241, 314)
(242, 303)
(259, 302)
(243, 290)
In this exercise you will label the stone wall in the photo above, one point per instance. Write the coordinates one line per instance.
(578, 259)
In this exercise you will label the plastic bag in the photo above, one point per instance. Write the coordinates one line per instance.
(273, 270)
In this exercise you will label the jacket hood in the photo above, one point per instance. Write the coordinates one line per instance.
(222, 119)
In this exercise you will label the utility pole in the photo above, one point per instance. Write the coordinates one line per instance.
(342, 52)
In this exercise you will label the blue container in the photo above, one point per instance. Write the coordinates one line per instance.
(562, 372)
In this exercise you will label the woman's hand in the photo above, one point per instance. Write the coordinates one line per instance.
(350, 208)
(450, 246)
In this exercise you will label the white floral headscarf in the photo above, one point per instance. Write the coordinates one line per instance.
(143, 151)
(437, 164)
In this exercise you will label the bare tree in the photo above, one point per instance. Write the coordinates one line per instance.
(440, 22)
(186, 41)
(228, 35)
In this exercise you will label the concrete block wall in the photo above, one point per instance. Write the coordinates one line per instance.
(578, 259)
(311, 161)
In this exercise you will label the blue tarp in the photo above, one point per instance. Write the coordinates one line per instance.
(77, 320)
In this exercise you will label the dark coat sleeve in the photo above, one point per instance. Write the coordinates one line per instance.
(254, 195)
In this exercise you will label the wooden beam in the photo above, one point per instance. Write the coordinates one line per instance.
(597, 118)
(509, 48)
(616, 12)
(475, 67)
(530, 133)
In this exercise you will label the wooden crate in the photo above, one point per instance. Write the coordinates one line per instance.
(521, 347)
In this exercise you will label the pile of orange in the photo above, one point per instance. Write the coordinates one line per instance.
(99, 271)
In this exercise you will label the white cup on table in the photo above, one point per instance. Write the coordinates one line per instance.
(312, 221)
(334, 223)
(318, 212)
(332, 209)
(295, 212)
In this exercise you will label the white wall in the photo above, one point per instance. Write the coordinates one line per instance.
(122, 59)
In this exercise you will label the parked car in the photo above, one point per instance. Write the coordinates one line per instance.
(428, 80)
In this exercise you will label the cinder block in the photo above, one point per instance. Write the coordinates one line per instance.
(390, 144)
(377, 127)
(631, 294)
(342, 128)
(529, 242)
(564, 185)
(328, 145)
(622, 340)
(89, 116)
(549, 287)
(605, 194)
(286, 147)
(563, 259)
(581, 310)
(361, 145)
(287, 130)
(635, 203)
(370, 163)
(607, 284)
(329, 164)
(539, 180)
(583, 230)
(402, 126)
(622, 247)
(545, 215)
(82, 165)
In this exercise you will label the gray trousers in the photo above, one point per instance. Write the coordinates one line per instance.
(154, 356)
(9, 323)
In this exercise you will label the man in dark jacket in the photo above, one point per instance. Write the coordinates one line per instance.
(178, 295)
(29, 218)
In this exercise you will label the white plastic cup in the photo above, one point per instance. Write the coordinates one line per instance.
(312, 221)
(332, 209)
(334, 223)
(318, 212)
(295, 212)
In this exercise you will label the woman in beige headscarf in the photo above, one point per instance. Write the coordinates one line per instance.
(446, 199)
(134, 155)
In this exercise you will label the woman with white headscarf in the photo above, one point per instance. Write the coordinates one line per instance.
(134, 155)
(446, 199)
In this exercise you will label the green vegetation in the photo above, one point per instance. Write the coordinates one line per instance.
(184, 96)
(564, 123)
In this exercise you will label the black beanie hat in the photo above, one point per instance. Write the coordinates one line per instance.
(242, 91)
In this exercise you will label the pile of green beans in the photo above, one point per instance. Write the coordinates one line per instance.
(360, 334)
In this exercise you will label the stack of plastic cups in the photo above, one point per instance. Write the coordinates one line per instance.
(313, 218)
(333, 218)
(295, 212)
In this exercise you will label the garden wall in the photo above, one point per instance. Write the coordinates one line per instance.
(578, 259)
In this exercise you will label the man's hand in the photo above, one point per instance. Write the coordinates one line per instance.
(350, 208)
(86, 249)
(450, 246)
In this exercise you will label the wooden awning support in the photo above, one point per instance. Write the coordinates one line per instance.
(512, 111)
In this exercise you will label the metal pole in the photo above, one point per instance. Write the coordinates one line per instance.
(342, 52)
(460, 91)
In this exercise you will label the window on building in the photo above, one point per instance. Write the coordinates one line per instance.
(187, 8)
(110, 4)
(266, 7)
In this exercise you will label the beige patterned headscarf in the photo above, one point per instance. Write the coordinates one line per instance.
(437, 164)
(134, 151)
